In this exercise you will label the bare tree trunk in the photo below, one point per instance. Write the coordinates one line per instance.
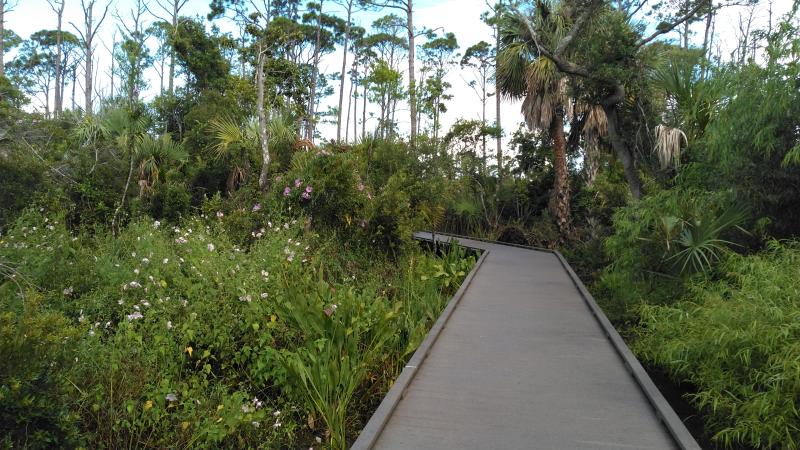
(497, 102)
(364, 112)
(175, 11)
(344, 65)
(412, 84)
(58, 8)
(2, 34)
(704, 61)
(89, 71)
(312, 120)
(88, 35)
(263, 179)
(483, 124)
(347, 120)
(74, 82)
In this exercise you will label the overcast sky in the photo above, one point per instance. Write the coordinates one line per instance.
(461, 17)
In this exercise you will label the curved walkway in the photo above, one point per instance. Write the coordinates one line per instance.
(522, 358)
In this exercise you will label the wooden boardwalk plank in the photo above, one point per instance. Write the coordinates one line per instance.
(521, 363)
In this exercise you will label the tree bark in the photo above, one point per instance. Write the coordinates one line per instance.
(314, 76)
(622, 151)
(344, 66)
(364, 112)
(263, 179)
(559, 198)
(2, 34)
(171, 81)
(497, 102)
(59, 100)
(412, 84)
(88, 55)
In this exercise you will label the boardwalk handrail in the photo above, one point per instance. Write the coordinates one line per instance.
(674, 425)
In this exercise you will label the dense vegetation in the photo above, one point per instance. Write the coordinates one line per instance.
(207, 268)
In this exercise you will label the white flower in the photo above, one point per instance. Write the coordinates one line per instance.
(264, 295)
(133, 255)
(276, 413)
(120, 302)
(246, 298)
(68, 291)
(277, 425)
(145, 303)
(211, 247)
(134, 316)
(165, 261)
(219, 214)
(255, 424)
(145, 261)
(134, 284)
(246, 409)
(169, 324)
(171, 397)
(318, 439)
(91, 332)
(136, 271)
(156, 224)
(181, 240)
(81, 319)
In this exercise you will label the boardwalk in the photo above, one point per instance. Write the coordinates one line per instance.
(518, 360)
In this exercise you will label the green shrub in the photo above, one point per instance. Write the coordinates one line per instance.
(736, 339)
(661, 241)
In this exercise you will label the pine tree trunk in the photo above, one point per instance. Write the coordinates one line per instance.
(412, 85)
(2, 34)
(497, 102)
(59, 69)
(341, 76)
(314, 76)
(263, 179)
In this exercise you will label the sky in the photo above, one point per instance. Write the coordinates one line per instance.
(461, 17)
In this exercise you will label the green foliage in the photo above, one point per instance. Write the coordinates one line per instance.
(180, 330)
(661, 241)
(736, 340)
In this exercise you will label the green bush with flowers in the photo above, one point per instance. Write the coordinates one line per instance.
(199, 333)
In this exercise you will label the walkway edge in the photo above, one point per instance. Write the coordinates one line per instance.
(374, 427)
(666, 414)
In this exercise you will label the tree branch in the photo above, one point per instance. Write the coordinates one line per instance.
(664, 30)
(576, 27)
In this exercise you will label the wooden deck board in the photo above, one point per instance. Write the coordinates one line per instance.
(521, 363)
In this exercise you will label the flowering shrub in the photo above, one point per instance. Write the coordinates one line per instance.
(175, 335)
(326, 187)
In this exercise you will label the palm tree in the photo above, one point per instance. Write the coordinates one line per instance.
(153, 153)
(236, 144)
(523, 73)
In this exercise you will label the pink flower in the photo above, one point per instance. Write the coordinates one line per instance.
(297, 182)
(309, 189)
(305, 196)
(278, 178)
(286, 191)
(256, 207)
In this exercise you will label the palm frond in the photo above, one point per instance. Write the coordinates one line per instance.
(668, 145)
